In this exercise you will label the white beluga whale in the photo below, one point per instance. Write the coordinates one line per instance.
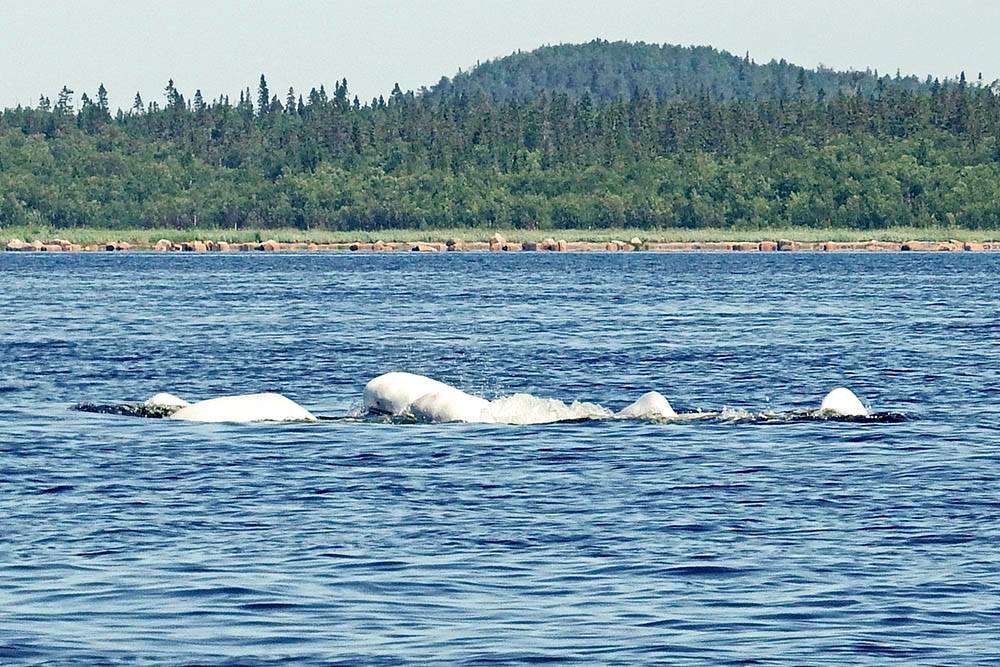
(393, 393)
(651, 405)
(842, 402)
(451, 405)
(247, 408)
(399, 393)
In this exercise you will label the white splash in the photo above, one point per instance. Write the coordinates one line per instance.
(528, 409)
(165, 400)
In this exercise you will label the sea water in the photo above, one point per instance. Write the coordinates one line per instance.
(356, 541)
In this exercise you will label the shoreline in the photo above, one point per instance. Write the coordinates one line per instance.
(498, 243)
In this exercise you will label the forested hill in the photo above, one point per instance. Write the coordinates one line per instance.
(867, 156)
(622, 70)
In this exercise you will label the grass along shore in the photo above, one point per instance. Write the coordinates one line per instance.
(143, 237)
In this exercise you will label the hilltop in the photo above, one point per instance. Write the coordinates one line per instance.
(609, 71)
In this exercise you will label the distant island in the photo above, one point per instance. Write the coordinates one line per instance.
(665, 142)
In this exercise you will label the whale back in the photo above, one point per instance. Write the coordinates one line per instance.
(245, 409)
(843, 403)
(450, 405)
(394, 392)
(651, 405)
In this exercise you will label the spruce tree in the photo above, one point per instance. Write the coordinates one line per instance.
(263, 96)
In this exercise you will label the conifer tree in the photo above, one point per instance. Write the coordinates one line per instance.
(263, 96)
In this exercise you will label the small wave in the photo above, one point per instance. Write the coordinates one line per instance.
(524, 409)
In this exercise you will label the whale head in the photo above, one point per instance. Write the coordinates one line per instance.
(651, 405)
(842, 402)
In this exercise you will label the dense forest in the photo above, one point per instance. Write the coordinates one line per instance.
(776, 145)
(608, 71)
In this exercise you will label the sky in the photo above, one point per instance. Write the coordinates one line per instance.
(222, 46)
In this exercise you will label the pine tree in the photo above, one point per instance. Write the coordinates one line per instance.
(138, 108)
(290, 101)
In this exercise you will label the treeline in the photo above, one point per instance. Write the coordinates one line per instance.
(864, 160)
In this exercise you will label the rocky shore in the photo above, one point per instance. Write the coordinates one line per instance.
(498, 243)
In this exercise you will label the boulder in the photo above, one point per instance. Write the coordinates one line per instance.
(163, 245)
(917, 246)
(194, 246)
(15, 245)
(109, 247)
(579, 247)
(454, 244)
(787, 245)
(497, 242)
(58, 242)
(550, 244)
(968, 246)
(529, 246)
(312, 247)
(124, 245)
(51, 247)
(269, 245)
(511, 247)
(73, 247)
(767, 246)
(223, 246)
(636, 243)
(423, 247)
(745, 247)
(561, 245)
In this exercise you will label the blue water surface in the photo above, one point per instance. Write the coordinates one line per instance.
(708, 542)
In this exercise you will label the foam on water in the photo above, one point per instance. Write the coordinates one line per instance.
(528, 409)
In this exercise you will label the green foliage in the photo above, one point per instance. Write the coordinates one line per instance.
(874, 153)
(607, 71)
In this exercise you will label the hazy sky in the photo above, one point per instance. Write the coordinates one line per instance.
(221, 46)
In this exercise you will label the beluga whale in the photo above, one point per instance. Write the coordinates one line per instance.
(842, 402)
(399, 393)
(247, 408)
(651, 405)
